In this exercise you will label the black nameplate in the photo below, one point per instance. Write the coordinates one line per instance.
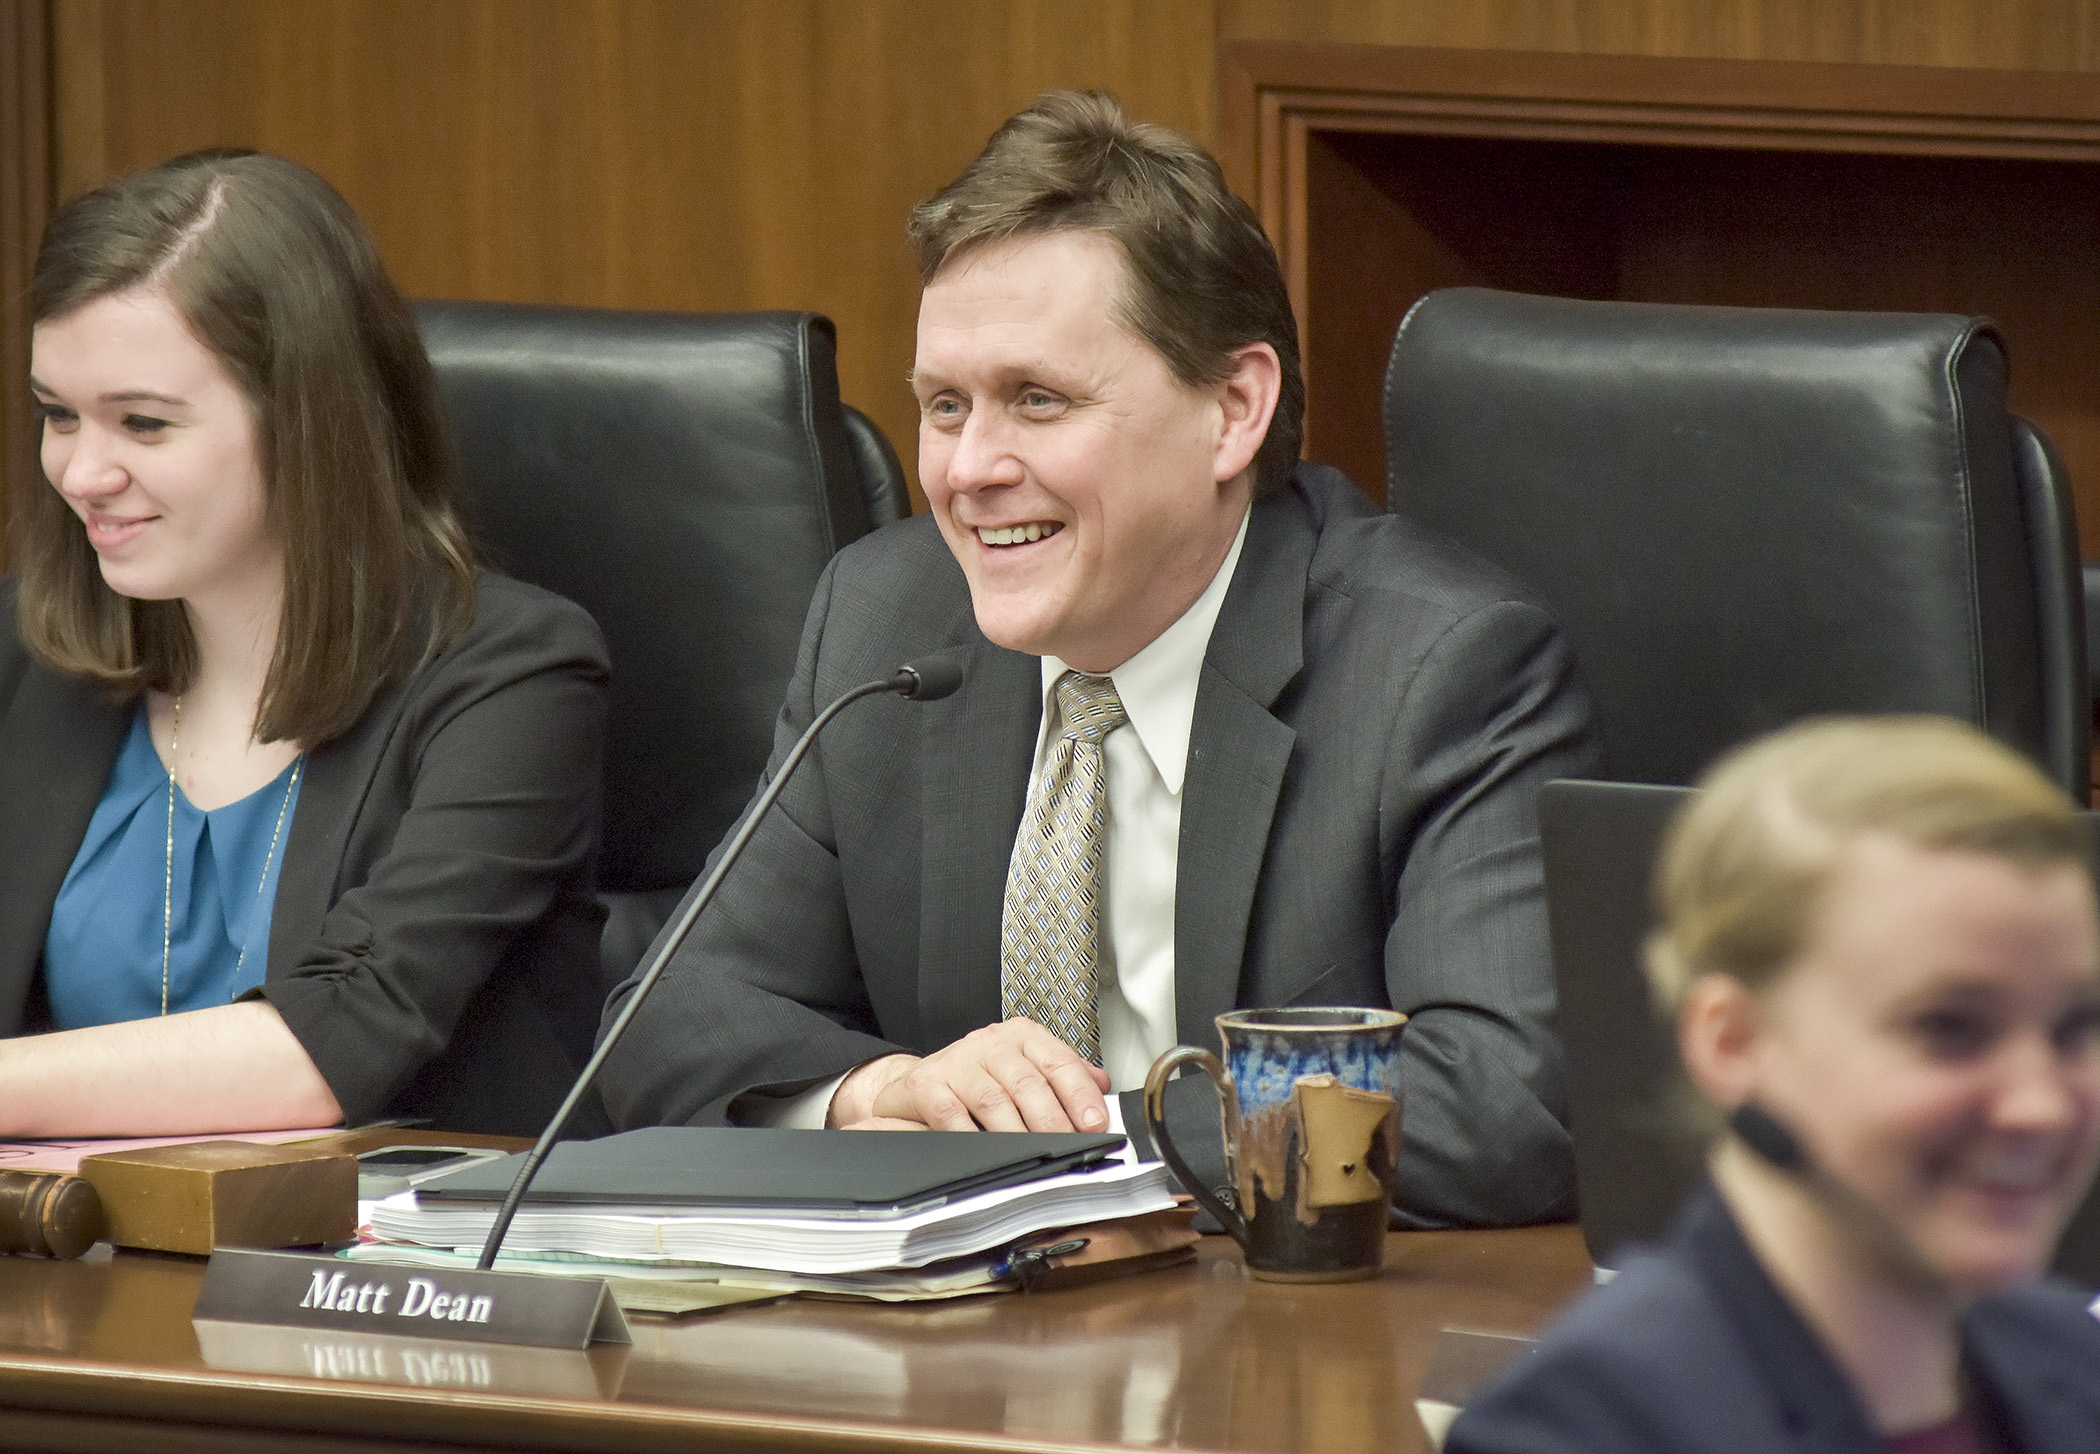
(298, 1290)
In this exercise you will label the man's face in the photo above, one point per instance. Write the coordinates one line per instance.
(1089, 495)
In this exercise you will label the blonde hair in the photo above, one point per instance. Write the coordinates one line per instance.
(1745, 863)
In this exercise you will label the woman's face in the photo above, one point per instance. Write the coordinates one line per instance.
(154, 446)
(1934, 1047)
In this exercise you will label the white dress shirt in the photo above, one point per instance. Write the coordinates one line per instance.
(1147, 761)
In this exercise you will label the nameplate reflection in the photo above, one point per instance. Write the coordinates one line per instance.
(343, 1357)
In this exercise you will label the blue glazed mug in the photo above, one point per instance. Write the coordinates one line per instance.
(1310, 1100)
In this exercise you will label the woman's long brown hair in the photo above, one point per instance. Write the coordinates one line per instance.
(274, 273)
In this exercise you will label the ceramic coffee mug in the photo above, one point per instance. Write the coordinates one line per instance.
(1311, 1106)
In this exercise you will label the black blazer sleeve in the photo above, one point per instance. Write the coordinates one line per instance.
(1492, 713)
(434, 945)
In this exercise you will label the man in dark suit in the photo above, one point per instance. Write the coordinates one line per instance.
(1227, 734)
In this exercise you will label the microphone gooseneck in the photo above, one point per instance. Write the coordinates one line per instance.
(925, 680)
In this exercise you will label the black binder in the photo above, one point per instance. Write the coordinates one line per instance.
(851, 1173)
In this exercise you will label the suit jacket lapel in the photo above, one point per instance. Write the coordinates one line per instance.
(1816, 1405)
(975, 751)
(1238, 753)
(58, 739)
(332, 791)
(2046, 1410)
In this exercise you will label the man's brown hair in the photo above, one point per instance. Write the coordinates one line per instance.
(1203, 279)
(271, 270)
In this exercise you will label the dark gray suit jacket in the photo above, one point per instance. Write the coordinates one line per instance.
(434, 940)
(1376, 712)
(1693, 1350)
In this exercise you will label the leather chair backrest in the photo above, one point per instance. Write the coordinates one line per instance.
(881, 472)
(1747, 516)
(2060, 609)
(684, 478)
(2092, 623)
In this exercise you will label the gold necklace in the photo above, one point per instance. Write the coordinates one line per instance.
(167, 903)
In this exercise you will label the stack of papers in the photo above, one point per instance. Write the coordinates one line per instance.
(644, 1285)
(901, 1214)
(809, 1241)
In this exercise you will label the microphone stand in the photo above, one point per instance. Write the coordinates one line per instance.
(922, 681)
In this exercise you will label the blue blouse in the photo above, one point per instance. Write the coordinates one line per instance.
(103, 954)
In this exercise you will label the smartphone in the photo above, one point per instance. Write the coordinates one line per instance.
(392, 1169)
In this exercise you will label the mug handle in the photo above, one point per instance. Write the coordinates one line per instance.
(1156, 1123)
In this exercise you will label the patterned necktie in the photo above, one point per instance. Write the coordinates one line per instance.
(1050, 939)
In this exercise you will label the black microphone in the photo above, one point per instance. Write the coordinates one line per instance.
(1762, 1133)
(925, 680)
(1776, 1145)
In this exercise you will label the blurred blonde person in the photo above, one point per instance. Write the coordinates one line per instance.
(1878, 939)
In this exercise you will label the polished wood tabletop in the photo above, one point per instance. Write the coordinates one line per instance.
(102, 1353)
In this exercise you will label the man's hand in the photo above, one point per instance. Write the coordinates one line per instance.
(1013, 1076)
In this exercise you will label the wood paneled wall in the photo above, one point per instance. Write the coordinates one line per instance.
(681, 154)
(2018, 35)
(25, 200)
(728, 154)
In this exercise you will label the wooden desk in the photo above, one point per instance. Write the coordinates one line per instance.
(101, 1354)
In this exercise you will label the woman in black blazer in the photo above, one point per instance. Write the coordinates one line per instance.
(297, 807)
(1880, 942)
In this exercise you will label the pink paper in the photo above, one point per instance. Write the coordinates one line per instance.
(65, 1155)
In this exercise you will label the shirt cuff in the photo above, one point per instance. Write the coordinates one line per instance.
(803, 1111)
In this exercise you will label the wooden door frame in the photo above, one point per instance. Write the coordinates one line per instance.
(27, 181)
(1273, 94)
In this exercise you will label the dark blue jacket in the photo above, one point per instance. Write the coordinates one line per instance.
(1692, 1350)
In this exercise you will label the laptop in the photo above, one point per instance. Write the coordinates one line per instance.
(1640, 1139)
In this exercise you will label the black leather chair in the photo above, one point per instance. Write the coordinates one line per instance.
(1747, 516)
(883, 489)
(2092, 625)
(684, 478)
(1741, 517)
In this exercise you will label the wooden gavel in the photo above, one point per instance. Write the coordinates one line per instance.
(48, 1215)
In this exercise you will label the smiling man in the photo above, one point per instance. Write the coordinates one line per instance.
(1228, 735)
